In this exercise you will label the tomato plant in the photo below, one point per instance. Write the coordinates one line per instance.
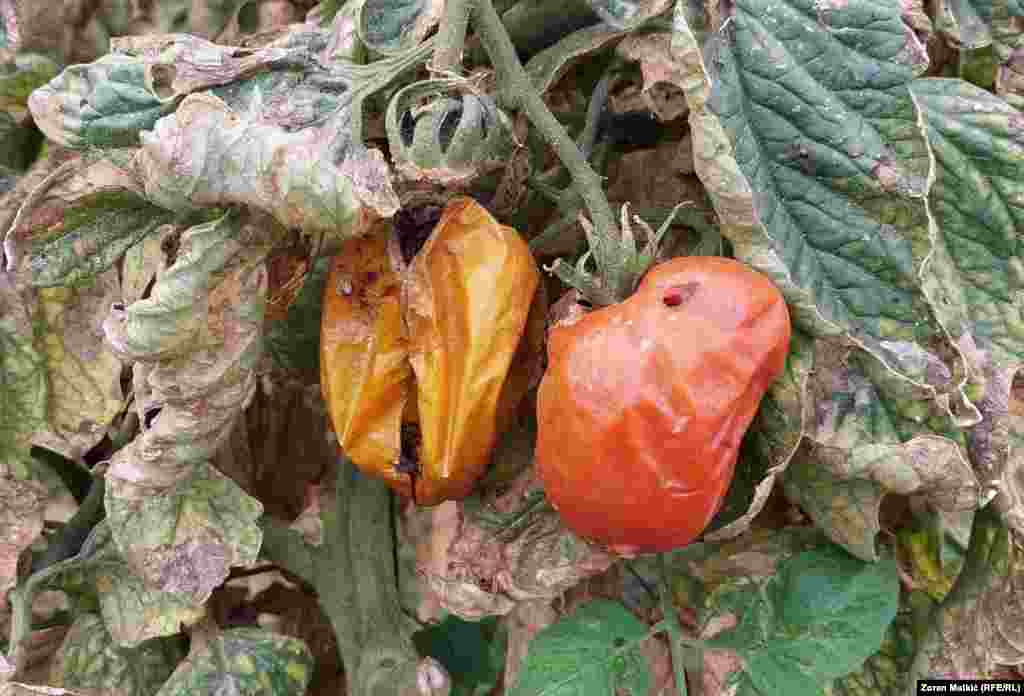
(415, 359)
(656, 393)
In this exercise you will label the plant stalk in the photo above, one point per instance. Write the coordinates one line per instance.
(518, 91)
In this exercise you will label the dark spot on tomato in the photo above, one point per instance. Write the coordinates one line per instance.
(680, 294)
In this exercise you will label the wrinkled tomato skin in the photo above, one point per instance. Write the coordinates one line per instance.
(644, 403)
(433, 343)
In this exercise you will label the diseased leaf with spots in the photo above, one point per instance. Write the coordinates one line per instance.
(193, 158)
(84, 374)
(110, 102)
(185, 538)
(80, 220)
(977, 201)
(869, 435)
(980, 623)
(245, 661)
(592, 651)
(99, 580)
(24, 396)
(89, 659)
(805, 135)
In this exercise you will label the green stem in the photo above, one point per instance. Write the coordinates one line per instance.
(519, 91)
(451, 37)
(675, 631)
(287, 548)
(353, 571)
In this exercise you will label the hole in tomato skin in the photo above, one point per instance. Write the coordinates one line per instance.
(413, 226)
(679, 295)
(409, 458)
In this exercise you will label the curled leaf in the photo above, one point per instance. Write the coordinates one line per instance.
(446, 133)
(197, 341)
(208, 155)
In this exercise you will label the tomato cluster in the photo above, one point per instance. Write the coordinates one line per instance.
(640, 412)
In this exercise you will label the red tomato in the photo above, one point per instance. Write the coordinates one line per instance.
(644, 403)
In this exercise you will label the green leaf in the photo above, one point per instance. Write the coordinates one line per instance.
(393, 26)
(19, 144)
(185, 538)
(80, 220)
(819, 618)
(550, 65)
(472, 652)
(593, 651)
(443, 132)
(806, 138)
(244, 661)
(90, 659)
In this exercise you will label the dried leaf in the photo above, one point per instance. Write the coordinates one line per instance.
(84, 373)
(80, 220)
(196, 157)
(198, 341)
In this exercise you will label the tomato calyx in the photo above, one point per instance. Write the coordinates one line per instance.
(616, 263)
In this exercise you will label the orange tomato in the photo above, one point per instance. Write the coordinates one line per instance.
(644, 403)
(430, 344)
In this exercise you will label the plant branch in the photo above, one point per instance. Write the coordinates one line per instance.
(353, 573)
(518, 90)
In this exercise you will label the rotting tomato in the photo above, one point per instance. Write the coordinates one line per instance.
(416, 358)
(644, 403)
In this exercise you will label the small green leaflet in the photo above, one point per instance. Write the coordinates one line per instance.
(592, 652)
